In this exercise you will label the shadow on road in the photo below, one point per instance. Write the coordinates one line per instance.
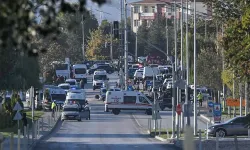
(86, 135)
(88, 146)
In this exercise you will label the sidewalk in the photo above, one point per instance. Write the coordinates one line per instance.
(43, 127)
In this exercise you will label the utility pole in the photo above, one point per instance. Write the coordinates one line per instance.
(125, 45)
(195, 102)
(182, 115)
(167, 31)
(136, 45)
(181, 38)
(174, 100)
(83, 39)
(246, 98)
(111, 41)
(187, 69)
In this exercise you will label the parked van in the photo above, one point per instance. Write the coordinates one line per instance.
(80, 72)
(127, 100)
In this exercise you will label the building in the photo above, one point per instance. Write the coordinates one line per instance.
(148, 10)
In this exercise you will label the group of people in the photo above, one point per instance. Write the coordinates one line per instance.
(59, 79)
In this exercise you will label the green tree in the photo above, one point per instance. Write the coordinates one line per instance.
(142, 34)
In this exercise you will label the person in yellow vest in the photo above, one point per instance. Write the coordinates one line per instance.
(200, 98)
(53, 108)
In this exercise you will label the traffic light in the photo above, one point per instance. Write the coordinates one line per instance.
(190, 94)
(183, 95)
(116, 29)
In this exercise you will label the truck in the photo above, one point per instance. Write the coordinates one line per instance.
(127, 100)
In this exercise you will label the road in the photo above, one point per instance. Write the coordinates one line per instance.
(104, 131)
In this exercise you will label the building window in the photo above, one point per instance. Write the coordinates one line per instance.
(153, 9)
(136, 9)
(145, 9)
(136, 23)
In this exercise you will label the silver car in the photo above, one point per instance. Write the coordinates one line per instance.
(71, 112)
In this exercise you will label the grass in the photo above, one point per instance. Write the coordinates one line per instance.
(7, 131)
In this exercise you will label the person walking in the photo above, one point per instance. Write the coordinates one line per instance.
(200, 98)
(81, 84)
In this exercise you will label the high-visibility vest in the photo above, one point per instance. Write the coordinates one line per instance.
(53, 105)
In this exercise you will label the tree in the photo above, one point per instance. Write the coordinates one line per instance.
(142, 34)
(69, 41)
(157, 35)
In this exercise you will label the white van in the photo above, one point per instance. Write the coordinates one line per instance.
(76, 96)
(127, 100)
(99, 77)
(80, 72)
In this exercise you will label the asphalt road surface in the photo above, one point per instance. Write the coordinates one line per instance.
(104, 131)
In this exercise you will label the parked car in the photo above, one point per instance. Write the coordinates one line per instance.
(234, 126)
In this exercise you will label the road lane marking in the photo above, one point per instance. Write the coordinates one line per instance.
(136, 120)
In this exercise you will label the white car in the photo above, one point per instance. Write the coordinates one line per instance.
(65, 86)
(71, 82)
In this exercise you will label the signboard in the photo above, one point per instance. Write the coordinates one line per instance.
(210, 106)
(217, 112)
(235, 102)
(178, 109)
(17, 107)
(18, 116)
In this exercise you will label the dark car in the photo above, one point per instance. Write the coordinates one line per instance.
(108, 69)
(234, 126)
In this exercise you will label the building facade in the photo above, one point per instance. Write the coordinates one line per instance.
(149, 10)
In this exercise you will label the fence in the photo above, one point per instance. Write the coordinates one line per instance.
(28, 137)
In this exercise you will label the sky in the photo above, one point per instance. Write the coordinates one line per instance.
(111, 10)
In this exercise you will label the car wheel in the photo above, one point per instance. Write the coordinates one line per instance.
(221, 133)
(116, 111)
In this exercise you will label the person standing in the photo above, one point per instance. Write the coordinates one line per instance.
(81, 84)
(200, 98)
(25, 122)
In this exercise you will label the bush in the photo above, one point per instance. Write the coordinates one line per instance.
(6, 121)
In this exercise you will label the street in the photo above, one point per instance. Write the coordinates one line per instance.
(104, 131)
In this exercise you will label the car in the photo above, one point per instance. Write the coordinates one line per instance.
(65, 86)
(234, 126)
(71, 112)
(72, 82)
(105, 67)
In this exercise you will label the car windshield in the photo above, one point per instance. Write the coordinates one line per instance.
(230, 120)
(58, 97)
(80, 71)
(71, 82)
(100, 77)
(70, 109)
(65, 87)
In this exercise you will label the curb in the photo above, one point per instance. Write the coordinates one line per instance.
(206, 119)
(45, 135)
(161, 139)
